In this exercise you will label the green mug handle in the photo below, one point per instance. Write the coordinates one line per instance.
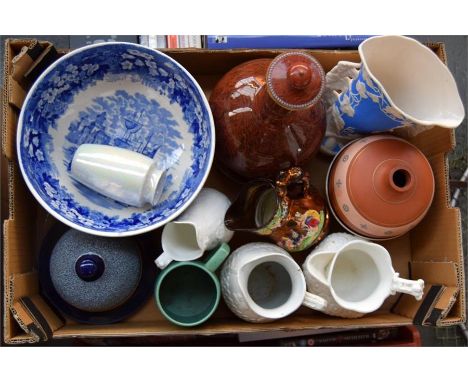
(217, 257)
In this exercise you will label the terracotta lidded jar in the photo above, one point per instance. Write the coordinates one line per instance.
(380, 187)
(269, 114)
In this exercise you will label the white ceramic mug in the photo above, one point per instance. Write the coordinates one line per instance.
(351, 277)
(120, 174)
(261, 282)
(200, 228)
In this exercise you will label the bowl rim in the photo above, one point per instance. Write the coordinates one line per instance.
(71, 224)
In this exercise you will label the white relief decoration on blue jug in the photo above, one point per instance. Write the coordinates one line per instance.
(364, 104)
(55, 93)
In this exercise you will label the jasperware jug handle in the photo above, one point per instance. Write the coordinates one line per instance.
(315, 302)
(338, 80)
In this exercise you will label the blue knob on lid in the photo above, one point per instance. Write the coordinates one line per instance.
(89, 267)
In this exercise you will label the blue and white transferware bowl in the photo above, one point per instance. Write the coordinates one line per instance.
(123, 95)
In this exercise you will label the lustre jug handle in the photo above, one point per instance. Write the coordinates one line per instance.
(293, 175)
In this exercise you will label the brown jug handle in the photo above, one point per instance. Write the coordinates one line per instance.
(289, 177)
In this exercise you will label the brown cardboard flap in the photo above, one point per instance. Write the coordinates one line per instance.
(44, 317)
(440, 292)
(24, 284)
(10, 119)
(444, 224)
(18, 251)
(24, 320)
(409, 307)
(444, 304)
(21, 285)
(16, 94)
(435, 140)
(229, 325)
(45, 59)
(222, 61)
(30, 310)
(432, 272)
(7, 141)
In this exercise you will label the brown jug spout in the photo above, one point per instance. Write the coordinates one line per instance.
(254, 208)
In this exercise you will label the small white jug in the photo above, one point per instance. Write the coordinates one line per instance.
(351, 277)
(120, 174)
(200, 228)
(261, 282)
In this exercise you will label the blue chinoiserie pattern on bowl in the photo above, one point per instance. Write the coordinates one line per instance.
(122, 95)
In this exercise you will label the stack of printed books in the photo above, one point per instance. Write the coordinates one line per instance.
(171, 41)
(253, 41)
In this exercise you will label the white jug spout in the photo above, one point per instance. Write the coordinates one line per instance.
(412, 287)
(179, 242)
(318, 265)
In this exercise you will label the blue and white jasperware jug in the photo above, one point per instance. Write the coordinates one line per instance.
(399, 84)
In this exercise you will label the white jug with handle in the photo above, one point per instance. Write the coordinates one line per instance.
(198, 229)
(351, 277)
(261, 282)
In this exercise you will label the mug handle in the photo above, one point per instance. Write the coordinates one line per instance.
(217, 257)
(314, 302)
(338, 80)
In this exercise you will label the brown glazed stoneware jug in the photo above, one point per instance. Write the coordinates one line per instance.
(269, 114)
(380, 187)
(289, 211)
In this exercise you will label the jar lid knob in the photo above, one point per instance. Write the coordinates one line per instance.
(89, 267)
(295, 80)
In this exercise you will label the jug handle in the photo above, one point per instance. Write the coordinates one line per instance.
(412, 287)
(338, 80)
(290, 176)
(163, 260)
(315, 302)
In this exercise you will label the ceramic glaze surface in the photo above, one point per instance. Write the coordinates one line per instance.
(387, 92)
(121, 95)
(94, 280)
(261, 282)
(199, 228)
(290, 211)
(120, 174)
(121, 263)
(188, 292)
(380, 187)
(353, 276)
(269, 114)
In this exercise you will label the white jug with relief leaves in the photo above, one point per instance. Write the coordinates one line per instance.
(351, 277)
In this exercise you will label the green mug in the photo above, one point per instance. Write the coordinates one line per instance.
(188, 292)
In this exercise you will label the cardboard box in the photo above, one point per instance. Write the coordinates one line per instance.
(432, 251)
